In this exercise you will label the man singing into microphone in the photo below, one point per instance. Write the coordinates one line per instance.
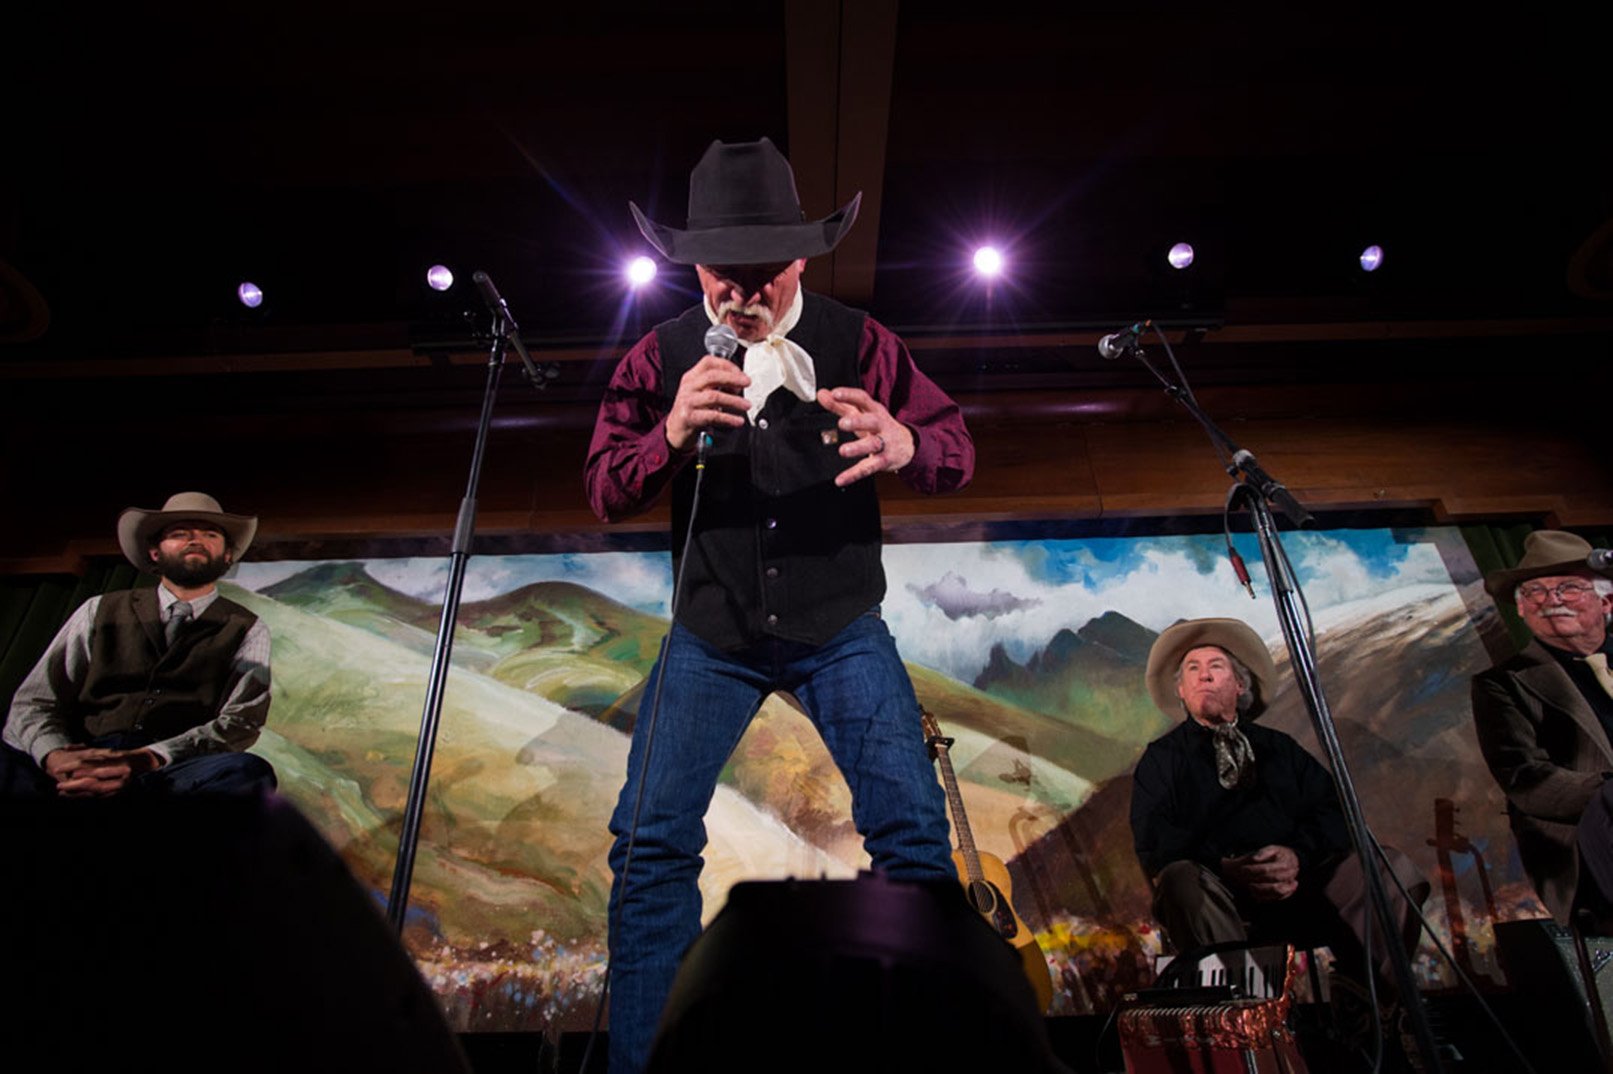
(781, 577)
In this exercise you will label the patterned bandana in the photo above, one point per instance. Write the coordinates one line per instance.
(1234, 757)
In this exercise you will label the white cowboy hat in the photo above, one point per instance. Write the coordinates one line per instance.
(137, 527)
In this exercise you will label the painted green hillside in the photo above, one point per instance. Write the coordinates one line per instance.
(559, 640)
(505, 843)
(1090, 679)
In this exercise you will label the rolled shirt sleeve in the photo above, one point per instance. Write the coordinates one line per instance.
(36, 725)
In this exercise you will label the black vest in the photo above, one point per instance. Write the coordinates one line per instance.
(136, 683)
(777, 550)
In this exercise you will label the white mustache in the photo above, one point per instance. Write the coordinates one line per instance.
(761, 313)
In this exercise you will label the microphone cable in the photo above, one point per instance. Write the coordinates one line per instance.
(703, 442)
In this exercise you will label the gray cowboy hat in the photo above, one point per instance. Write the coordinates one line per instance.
(137, 526)
(743, 210)
(1545, 552)
(1232, 635)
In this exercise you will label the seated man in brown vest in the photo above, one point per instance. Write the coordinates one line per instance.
(156, 690)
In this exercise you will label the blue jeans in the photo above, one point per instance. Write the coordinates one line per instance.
(858, 696)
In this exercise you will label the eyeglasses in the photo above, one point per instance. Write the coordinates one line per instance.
(1566, 591)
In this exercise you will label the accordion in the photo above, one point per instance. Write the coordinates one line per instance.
(1210, 1028)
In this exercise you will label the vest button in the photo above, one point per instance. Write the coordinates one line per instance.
(771, 523)
(761, 423)
(772, 620)
(772, 572)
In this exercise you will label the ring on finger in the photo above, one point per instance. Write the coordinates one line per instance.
(879, 444)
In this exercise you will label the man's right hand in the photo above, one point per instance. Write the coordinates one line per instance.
(60, 764)
(83, 772)
(1270, 874)
(708, 394)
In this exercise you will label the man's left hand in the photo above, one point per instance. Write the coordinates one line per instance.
(99, 772)
(1270, 874)
(882, 443)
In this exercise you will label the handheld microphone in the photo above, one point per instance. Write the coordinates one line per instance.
(1125, 341)
(1600, 559)
(721, 341)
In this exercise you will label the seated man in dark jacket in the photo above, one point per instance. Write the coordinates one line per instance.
(1544, 718)
(1237, 826)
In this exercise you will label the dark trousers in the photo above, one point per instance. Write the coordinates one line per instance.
(1332, 909)
(211, 773)
(1594, 893)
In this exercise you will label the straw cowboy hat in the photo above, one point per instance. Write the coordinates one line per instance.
(1231, 635)
(138, 527)
(743, 210)
(1545, 552)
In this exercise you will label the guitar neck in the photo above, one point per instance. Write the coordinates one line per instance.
(960, 819)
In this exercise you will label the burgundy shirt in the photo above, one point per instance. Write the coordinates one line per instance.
(630, 462)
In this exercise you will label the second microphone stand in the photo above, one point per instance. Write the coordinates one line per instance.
(505, 333)
(1260, 492)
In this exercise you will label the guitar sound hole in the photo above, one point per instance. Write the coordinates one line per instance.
(990, 904)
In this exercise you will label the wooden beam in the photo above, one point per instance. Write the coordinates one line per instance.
(839, 60)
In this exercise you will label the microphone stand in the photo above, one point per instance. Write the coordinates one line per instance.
(1260, 492)
(505, 333)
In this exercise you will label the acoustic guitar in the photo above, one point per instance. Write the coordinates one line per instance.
(985, 877)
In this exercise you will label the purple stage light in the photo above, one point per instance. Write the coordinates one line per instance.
(988, 261)
(640, 271)
(439, 277)
(250, 294)
(1371, 258)
(1181, 255)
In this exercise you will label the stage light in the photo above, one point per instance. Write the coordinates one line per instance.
(988, 261)
(439, 277)
(250, 294)
(1371, 258)
(640, 271)
(1181, 255)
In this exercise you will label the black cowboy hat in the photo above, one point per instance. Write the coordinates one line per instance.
(743, 210)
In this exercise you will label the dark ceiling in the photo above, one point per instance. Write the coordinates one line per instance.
(331, 155)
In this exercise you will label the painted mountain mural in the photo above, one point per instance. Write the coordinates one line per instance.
(1034, 667)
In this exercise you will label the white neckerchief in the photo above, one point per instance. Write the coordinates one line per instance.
(776, 361)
